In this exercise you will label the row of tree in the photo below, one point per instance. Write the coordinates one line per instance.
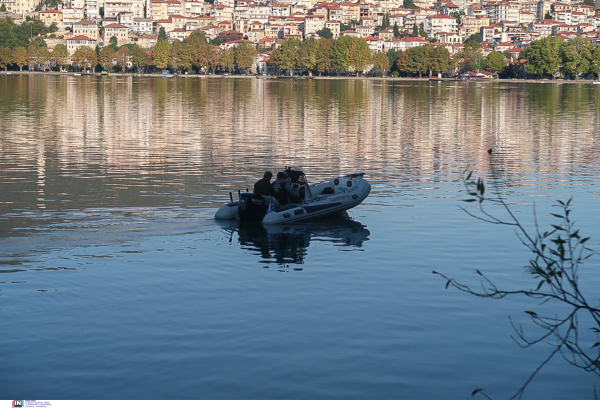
(548, 57)
(551, 56)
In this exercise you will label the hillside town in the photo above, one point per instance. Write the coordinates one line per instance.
(504, 26)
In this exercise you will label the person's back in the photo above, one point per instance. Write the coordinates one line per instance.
(263, 186)
(279, 189)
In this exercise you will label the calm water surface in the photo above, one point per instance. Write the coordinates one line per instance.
(117, 283)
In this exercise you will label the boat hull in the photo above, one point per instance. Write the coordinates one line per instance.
(347, 194)
(325, 199)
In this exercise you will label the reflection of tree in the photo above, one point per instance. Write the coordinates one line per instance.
(557, 255)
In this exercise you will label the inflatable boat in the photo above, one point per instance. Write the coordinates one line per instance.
(319, 200)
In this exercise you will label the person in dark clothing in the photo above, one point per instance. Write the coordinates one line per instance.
(263, 186)
(283, 190)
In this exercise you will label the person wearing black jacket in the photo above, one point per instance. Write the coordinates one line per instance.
(263, 186)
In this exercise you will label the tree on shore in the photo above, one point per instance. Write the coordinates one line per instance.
(244, 55)
(323, 55)
(576, 54)
(227, 61)
(20, 57)
(286, 57)
(85, 57)
(107, 55)
(60, 54)
(351, 54)
(495, 62)
(5, 58)
(122, 57)
(381, 62)
(161, 56)
(139, 58)
(543, 57)
(307, 55)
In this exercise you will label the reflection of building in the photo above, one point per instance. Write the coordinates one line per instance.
(198, 130)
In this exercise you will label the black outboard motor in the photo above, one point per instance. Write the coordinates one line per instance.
(251, 207)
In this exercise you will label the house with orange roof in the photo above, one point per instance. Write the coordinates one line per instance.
(375, 43)
(119, 31)
(364, 31)
(49, 17)
(78, 41)
(350, 33)
(179, 34)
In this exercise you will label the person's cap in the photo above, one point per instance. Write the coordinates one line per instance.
(280, 174)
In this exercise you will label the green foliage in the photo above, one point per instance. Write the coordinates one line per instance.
(543, 57)
(476, 62)
(423, 59)
(323, 55)
(139, 57)
(20, 57)
(393, 56)
(244, 55)
(409, 4)
(548, 16)
(85, 57)
(415, 30)
(495, 62)
(3, 7)
(216, 41)
(286, 57)
(161, 55)
(385, 23)
(474, 38)
(350, 54)
(396, 31)
(162, 34)
(589, 3)
(112, 42)
(308, 54)
(122, 56)
(60, 54)
(595, 62)
(227, 61)
(325, 33)
(576, 54)
(395, 74)
(5, 57)
(381, 62)
(107, 54)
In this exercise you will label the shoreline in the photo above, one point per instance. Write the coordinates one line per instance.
(303, 78)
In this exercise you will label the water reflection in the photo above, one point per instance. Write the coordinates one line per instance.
(284, 245)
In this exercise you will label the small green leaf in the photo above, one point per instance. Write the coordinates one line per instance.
(447, 284)
(470, 200)
(529, 312)
(469, 175)
(596, 344)
(475, 391)
(540, 285)
(557, 215)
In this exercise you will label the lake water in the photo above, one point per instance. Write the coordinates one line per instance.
(116, 282)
